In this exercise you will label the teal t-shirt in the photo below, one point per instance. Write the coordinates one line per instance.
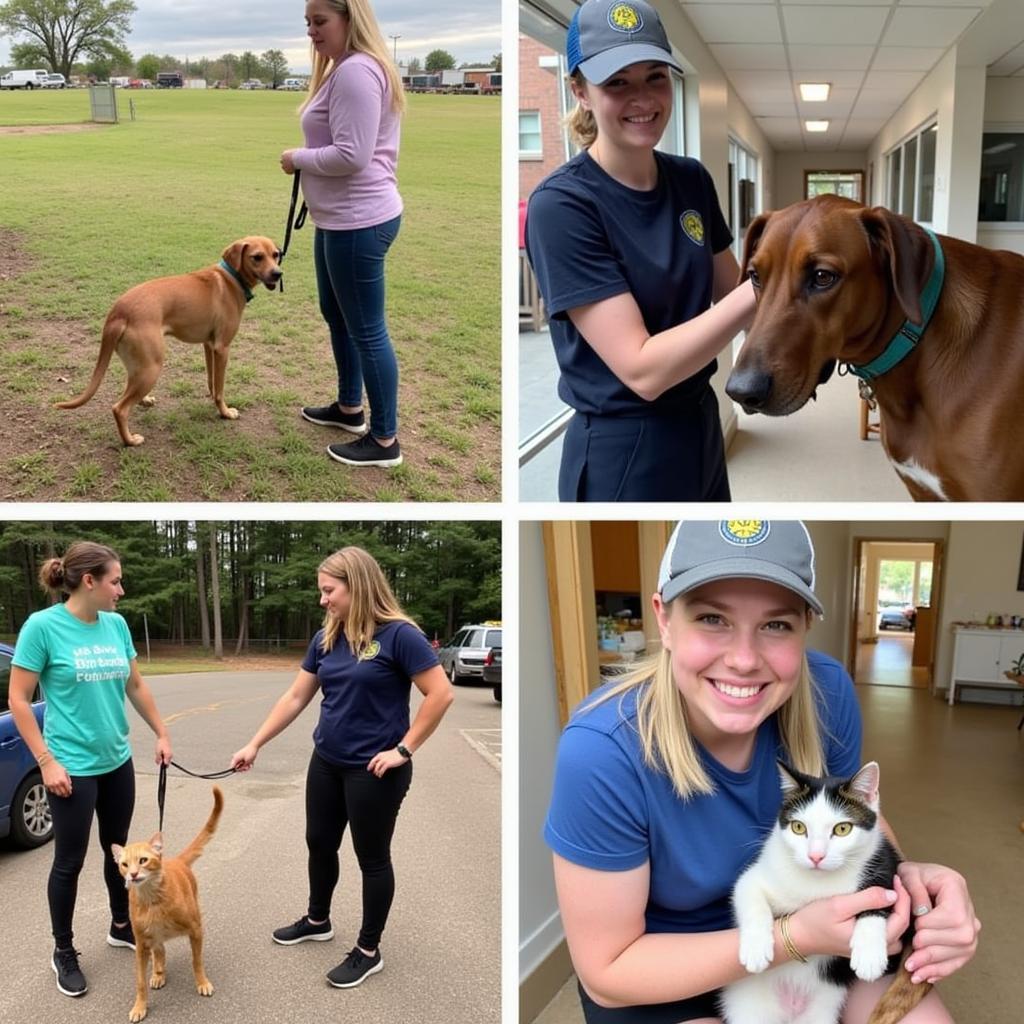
(83, 668)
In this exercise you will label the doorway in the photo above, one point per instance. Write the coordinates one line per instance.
(896, 590)
(849, 184)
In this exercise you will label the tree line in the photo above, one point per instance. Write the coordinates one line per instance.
(240, 584)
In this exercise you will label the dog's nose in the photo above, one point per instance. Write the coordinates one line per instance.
(751, 388)
(276, 273)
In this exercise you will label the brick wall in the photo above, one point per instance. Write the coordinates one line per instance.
(538, 90)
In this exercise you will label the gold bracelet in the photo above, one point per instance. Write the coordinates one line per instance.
(44, 758)
(794, 953)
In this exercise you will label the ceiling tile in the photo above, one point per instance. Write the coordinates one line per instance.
(761, 80)
(907, 58)
(902, 83)
(763, 107)
(750, 57)
(842, 58)
(838, 79)
(834, 25)
(1010, 63)
(877, 103)
(838, 105)
(922, 26)
(735, 23)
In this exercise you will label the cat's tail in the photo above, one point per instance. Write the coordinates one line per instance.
(195, 848)
(900, 997)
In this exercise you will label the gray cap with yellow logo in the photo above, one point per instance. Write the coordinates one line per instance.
(606, 36)
(779, 551)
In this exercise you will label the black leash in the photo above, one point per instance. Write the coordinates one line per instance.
(292, 219)
(161, 786)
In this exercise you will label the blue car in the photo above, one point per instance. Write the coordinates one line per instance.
(24, 807)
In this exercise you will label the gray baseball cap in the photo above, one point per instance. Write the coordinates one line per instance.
(779, 551)
(606, 36)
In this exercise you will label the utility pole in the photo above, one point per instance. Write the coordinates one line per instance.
(395, 39)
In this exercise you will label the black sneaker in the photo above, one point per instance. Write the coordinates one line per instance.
(70, 979)
(355, 968)
(123, 936)
(332, 416)
(366, 452)
(303, 931)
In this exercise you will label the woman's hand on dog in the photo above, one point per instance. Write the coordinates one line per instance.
(242, 761)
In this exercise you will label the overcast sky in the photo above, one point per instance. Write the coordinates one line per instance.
(468, 29)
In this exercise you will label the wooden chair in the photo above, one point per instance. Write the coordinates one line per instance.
(867, 425)
(531, 306)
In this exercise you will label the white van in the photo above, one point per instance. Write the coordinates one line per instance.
(293, 84)
(34, 79)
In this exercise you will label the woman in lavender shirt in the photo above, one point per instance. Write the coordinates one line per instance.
(350, 121)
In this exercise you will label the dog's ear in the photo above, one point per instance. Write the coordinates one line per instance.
(908, 252)
(234, 254)
(754, 231)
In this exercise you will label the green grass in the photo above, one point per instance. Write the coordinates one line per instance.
(93, 212)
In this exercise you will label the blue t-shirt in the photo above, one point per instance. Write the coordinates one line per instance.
(365, 707)
(589, 237)
(611, 812)
(83, 668)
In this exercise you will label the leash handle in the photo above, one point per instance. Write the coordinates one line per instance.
(161, 786)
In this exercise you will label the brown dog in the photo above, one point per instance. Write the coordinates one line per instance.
(835, 281)
(203, 308)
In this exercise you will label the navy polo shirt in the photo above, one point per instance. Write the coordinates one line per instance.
(365, 707)
(589, 237)
(610, 811)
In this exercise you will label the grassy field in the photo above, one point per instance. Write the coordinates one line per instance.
(86, 212)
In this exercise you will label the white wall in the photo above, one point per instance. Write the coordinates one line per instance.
(982, 562)
(956, 95)
(540, 927)
(1004, 111)
(790, 167)
(832, 575)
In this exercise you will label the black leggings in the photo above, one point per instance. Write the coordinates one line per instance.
(336, 797)
(112, 798)
(696, 1008)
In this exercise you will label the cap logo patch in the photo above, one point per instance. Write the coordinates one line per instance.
(693, 225)
(625, 18)
(371, 652)
(744, 532)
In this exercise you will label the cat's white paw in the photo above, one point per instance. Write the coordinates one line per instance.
(868, 955)
(757, 947)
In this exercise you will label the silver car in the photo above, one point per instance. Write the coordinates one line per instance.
(463, 656)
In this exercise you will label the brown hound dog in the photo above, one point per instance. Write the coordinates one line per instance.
(835, 280)
(204, 308)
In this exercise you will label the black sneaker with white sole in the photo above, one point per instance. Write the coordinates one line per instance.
(70, 979)
(355, 969)
(123, 936)
(367, 451)
(303, 931)
(332, 416)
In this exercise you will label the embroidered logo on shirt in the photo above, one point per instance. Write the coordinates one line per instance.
(693, 225)
(372, 650)
(625, 18)
(744, 532)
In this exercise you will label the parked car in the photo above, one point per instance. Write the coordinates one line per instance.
(463, 656)
(293, 84)
(252, 83)
(55, 81)
(22, 79)
(24, 806)
(896, 618)
(492, 671)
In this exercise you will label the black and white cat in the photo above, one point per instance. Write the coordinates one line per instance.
(826, 842)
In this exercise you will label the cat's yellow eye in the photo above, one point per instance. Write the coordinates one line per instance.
(798, 827)
(844, 828)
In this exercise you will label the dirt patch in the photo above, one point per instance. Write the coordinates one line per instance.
(46, 129)
(13, 258)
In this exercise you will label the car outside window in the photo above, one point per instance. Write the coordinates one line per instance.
(493, 638)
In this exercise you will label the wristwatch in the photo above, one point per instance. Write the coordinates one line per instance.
(404, 751)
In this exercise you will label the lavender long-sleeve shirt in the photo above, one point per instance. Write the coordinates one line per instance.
(348, 165)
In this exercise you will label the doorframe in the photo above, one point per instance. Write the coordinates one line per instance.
(938, 569)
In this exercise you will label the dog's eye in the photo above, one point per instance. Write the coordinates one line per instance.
(755, 278)
(257, 257)
(823, 278)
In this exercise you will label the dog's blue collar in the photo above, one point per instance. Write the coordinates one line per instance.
(231, 272)
(906, 338)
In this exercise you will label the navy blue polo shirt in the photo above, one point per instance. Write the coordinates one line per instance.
(589, 237)
(365, 707)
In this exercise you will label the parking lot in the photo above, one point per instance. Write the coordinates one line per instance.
(442, 945)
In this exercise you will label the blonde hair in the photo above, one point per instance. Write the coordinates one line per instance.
(668, 745)
(580, 122)
(364, 36)
(372, 600)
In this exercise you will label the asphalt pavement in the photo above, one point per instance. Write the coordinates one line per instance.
(441, 948)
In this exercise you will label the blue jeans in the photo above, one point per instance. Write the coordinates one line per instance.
(350, 280)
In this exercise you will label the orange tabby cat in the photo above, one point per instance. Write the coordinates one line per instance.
(162, 903)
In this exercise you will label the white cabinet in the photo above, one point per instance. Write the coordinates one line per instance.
(981, 656)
